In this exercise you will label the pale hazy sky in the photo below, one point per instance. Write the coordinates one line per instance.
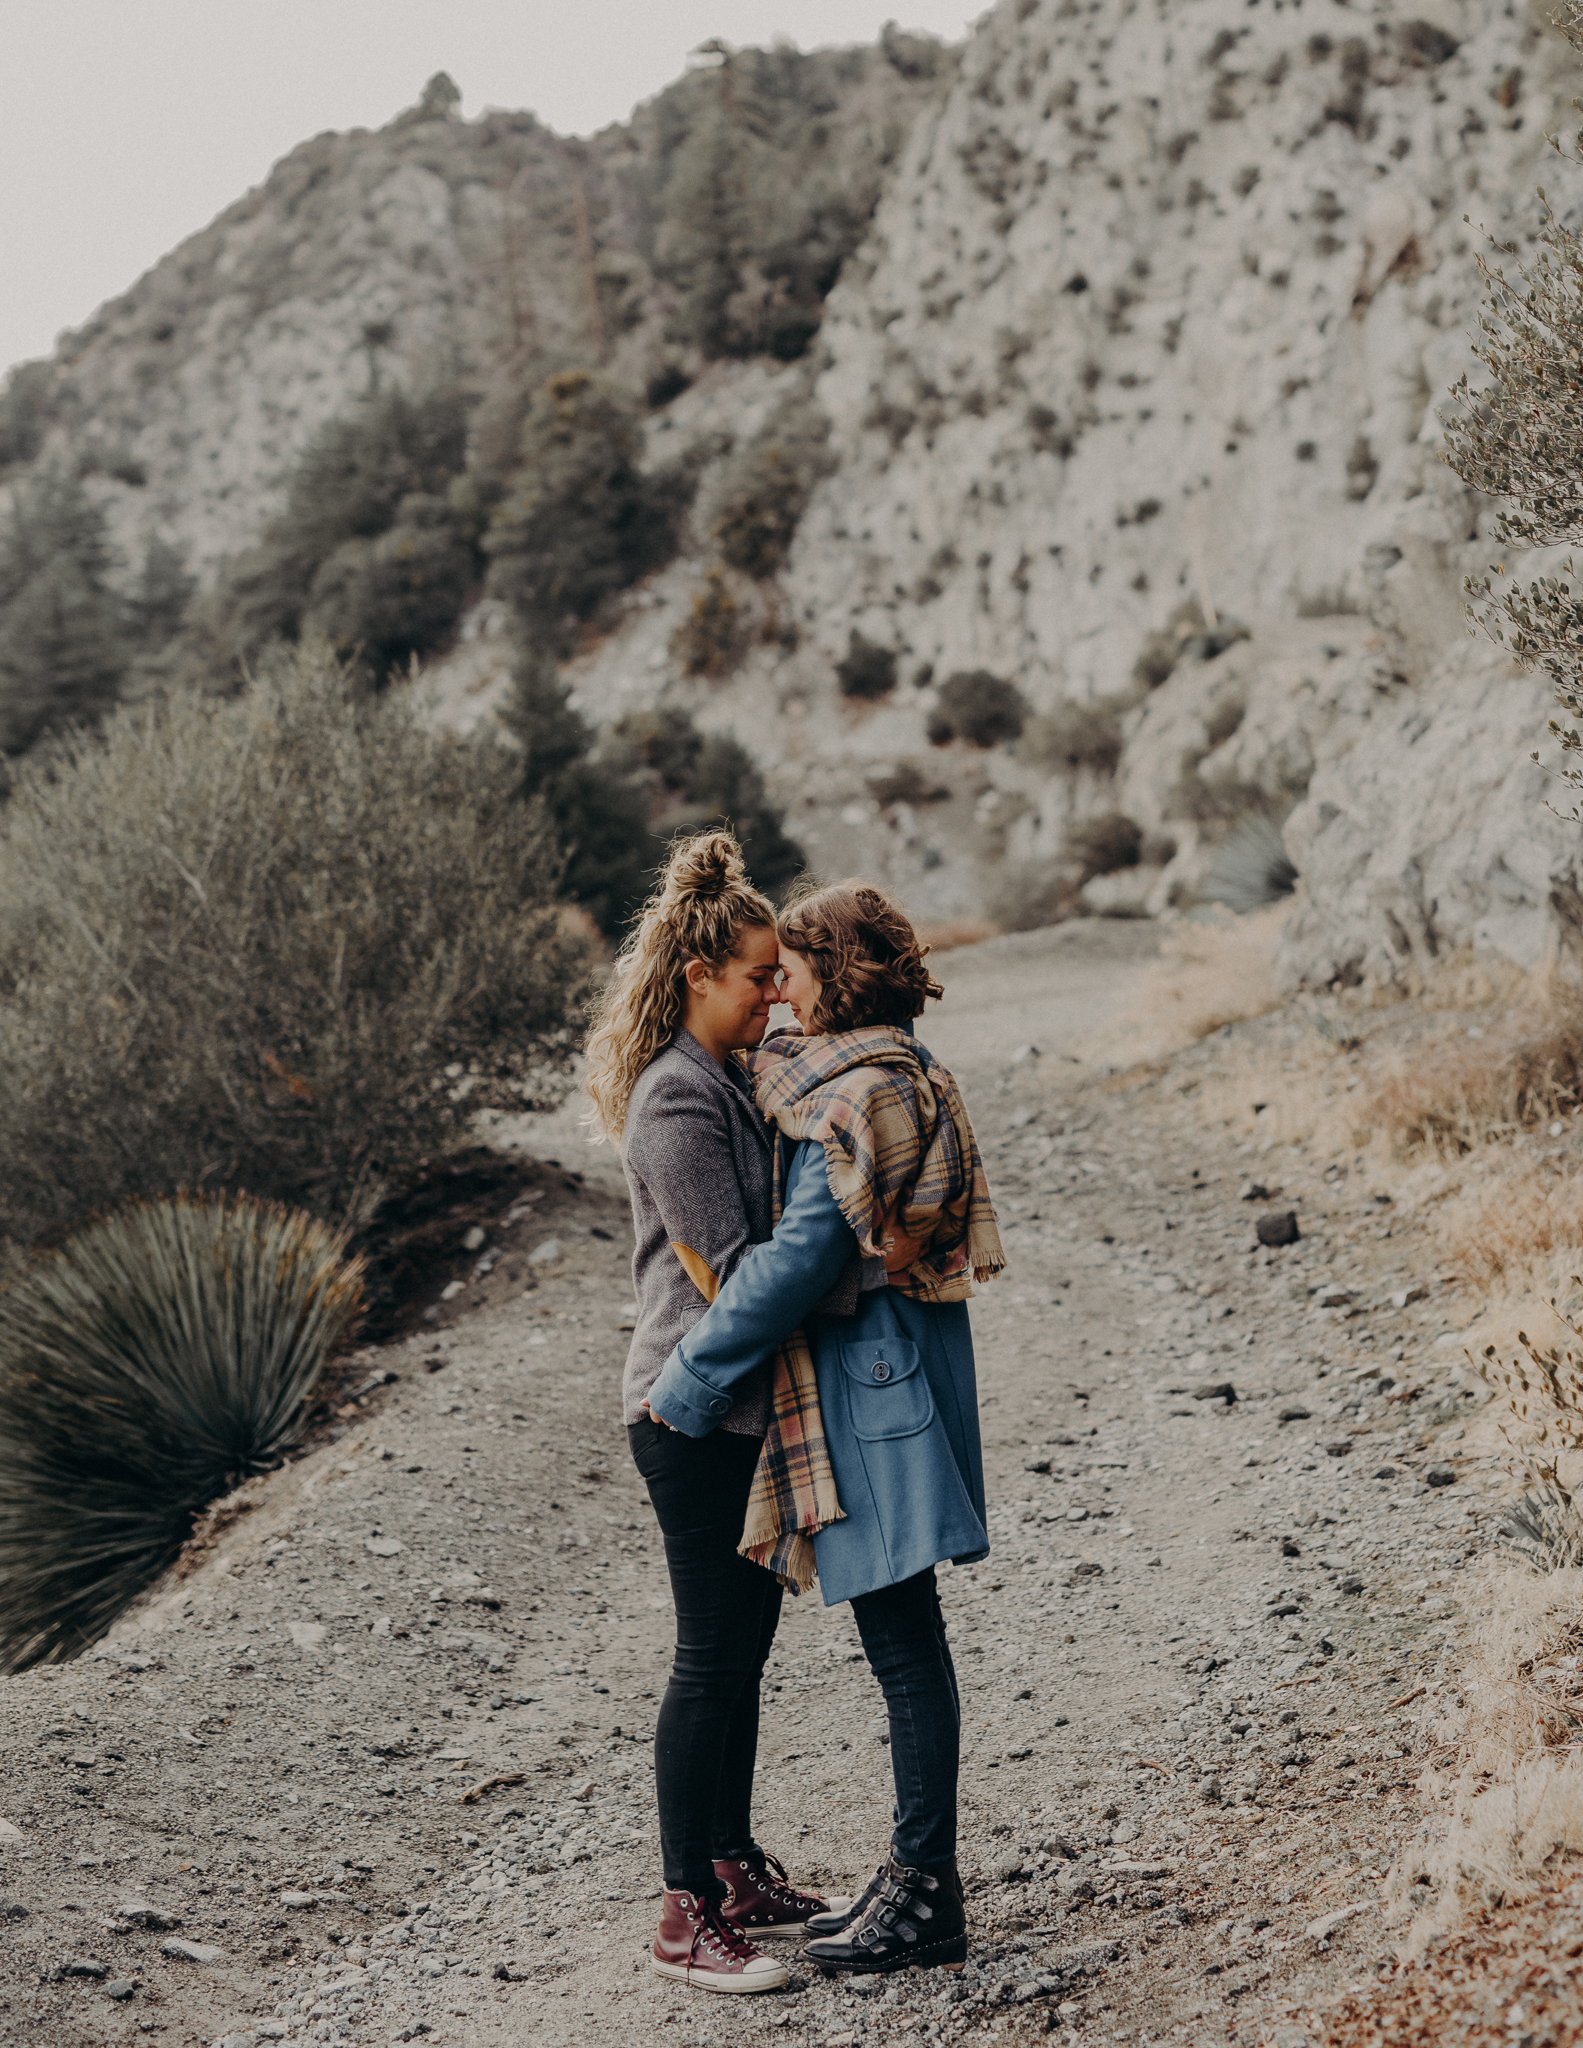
(130, 123)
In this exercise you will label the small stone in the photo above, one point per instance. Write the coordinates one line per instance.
(545, 1254)
(452, 1289)
(1058, 1721)
(191, 1951)
(1077, 1514)
(1352, 1585)
(583, 1790)
(474, 1240)
(1209, 1790)
(1023, 1054)
(1388, 1472)
(10, 1832)
(1295, 1413)
(1440, 1475)
(1216, 1390)
(1322, 1929)
(1340, 1448)
(1328, 1295)
(85, 1966)
(1289, 1548)
(383, 1546)
(1253, 1191)
(1405, 1295)
(296, 1902)
(120, 1989)
(1036, 1464)
(12, 1909)
(1277, 1229)
(141, 1914)
(307, 1635)
(1009, 1868)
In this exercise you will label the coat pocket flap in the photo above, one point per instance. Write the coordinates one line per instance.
(880, 1362)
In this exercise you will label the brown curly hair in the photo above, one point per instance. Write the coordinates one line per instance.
(865, 954)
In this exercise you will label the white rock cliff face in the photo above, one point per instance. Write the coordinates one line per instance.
(1224, 248)
(1161, 307)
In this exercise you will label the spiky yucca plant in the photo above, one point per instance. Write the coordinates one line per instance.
(158, 1358)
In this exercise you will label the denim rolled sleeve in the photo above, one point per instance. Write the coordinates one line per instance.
(768, 1295)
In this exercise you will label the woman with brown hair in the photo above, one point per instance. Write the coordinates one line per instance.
(692, 987)
(872, 1466)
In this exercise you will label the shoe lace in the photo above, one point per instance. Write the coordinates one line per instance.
(711, 1930)
(778, 1883)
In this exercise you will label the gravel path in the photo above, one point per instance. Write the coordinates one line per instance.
(381, 1761)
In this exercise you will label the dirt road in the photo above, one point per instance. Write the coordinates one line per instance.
(382, 1761)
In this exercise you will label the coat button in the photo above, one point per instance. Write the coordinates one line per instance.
(881, 1370)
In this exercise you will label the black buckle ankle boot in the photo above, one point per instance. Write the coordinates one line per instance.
(835, 1919)
(914, 1918)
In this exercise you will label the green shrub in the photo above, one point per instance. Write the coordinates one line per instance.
(1031, 895)
(24, 411)
(767, 486)
(982, 709)
(714, 636)
(724, 787)
(597, 809)
(1075, 736)
(158, 607)
(379, 602)
(1157, 659)
(1100, 846)
(694, 780)
(582, 520)
(156, 1360)
(388, 465)
(866, 670)
(240, 941)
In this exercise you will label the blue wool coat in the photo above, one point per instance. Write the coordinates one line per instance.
(896, 1386)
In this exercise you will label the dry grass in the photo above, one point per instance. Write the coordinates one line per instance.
(1209, 974)
(1512, 1227)
(1507, 1804)
(1457, 1091)
(1510, 1977)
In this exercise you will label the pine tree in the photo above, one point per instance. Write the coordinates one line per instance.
(64, 645)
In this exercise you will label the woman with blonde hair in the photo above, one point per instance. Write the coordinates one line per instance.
(692, 987)
(872, 1468)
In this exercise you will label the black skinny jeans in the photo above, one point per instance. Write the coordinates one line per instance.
(903, 1632)
(727, 1608)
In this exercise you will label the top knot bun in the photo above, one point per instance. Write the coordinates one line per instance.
(701, 869)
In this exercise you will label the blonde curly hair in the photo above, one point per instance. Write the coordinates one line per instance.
(699, 912)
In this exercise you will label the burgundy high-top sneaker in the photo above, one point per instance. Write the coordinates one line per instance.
(701, 1948)
(761, 1901)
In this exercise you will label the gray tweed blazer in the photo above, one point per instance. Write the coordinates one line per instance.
(699, 1167)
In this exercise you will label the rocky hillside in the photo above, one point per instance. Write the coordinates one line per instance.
(487, 253)
(1118, 538)
(1148, 340)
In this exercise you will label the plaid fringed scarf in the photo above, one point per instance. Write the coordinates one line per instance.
(901, 1157)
